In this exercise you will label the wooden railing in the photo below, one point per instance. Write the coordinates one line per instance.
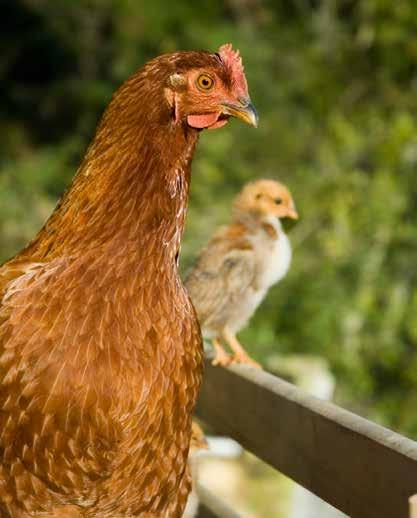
(357, 466)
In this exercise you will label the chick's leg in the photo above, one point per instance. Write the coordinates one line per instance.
(221, 357)
(240, 356)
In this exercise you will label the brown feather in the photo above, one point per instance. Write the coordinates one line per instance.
(100, 350)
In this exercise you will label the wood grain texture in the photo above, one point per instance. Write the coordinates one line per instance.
(363, 469)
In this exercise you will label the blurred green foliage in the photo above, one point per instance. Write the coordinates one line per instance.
(335, 83)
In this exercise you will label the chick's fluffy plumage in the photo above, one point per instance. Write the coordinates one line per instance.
(241, 262)
(100, 349)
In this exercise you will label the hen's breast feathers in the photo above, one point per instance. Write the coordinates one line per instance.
(100, 351)
(100, 364)
(77, 377)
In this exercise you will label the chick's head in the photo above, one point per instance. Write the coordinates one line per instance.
(266, 198)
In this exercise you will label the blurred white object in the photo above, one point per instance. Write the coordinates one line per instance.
(191, 509)
(218, 448)
(413, 506)
(223, 448)
(308, 505)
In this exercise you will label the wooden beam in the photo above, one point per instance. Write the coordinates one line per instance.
(361, 468)
(211, 506)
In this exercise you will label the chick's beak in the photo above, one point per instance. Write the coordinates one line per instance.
(292, 213)
(243, 110)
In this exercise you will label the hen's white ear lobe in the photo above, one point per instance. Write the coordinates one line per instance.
(177, 80)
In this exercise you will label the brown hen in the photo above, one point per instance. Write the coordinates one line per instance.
(100, 350)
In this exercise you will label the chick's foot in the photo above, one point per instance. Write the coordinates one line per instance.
(243, 358)
(221, 358)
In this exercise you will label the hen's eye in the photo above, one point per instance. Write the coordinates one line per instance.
(205, 83)
(278, 201)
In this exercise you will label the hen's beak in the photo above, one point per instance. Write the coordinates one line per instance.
(244, 110)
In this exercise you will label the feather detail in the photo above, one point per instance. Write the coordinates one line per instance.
(101, 355)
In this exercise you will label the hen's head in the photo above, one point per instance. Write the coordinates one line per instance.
(266, 197)
(205, 89)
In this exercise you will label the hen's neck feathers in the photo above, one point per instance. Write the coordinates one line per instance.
(132, 186)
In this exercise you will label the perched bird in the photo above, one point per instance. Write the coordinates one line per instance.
(241, 262)
(100, 349)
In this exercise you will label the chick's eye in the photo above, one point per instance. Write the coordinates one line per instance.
(278, 201)
(205, 82)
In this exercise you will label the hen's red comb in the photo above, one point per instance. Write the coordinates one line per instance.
(231, 58)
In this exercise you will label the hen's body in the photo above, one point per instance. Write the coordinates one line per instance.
(86, 422)
(100, 350)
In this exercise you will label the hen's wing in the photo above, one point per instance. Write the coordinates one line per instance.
(218, 281)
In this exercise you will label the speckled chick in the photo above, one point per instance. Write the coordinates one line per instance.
(241, 262)
(100, 349)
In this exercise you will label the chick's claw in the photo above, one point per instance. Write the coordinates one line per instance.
(240, 355)
(245, 359)
(221, 358)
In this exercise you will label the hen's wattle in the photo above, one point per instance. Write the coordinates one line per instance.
(100, 350)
